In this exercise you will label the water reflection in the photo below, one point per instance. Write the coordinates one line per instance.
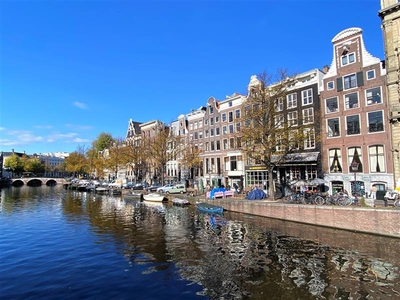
(233, 256)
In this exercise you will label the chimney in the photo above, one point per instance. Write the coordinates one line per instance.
(325, 69)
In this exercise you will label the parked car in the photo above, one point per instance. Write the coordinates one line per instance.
(154, 187)
(139, 186)
(179, 188)
(165, 188)
(116, 184)
(128, 185)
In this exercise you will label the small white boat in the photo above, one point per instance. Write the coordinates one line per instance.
(155, 197)
(178, 201)
(101, 190)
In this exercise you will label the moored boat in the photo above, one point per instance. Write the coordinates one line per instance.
(209, 208)
(101, 190)
(133, 196)
(155, 197)
(178, 201)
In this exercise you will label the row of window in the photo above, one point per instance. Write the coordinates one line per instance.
(225, 117)
(291, 100)
(231, 163)
(376, 159)
(309, 140)
(230, 129)
(292, 118)
(372, 96)
(353, 124)
(351, 80)
(232, 143)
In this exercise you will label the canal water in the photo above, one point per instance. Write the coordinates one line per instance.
(59, 244)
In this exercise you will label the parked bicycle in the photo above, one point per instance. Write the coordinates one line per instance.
(296, 198)
(338, 199)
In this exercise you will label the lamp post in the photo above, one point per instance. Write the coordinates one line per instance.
(354, 168)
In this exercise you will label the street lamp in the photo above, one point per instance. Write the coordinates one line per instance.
(354, 168)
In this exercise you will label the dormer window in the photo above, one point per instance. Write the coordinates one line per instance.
(348, 59)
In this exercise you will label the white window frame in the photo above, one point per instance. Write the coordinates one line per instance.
(346, 59)
(223, 117)
(291, 100)
(292, 117)
(225, 144)
(377, 157)
(331, 154)
(279, 104)
(382, 122)
(308, 116)
(279, 121)
(330, 133)
(279, 142)
(332, 109)
(231, 128)
(330, 85)
(350, 81)
(237, 113)
(309, 140)
(369, 95)
(307, 97)
(370, 72)
(359, 125)
(347, 102)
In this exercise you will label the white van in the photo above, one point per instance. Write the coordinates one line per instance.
(116, 184)
(179, 188)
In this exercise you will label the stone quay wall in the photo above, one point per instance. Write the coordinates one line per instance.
(369, 220)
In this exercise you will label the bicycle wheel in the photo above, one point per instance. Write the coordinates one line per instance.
(397, 202)
(319, 200)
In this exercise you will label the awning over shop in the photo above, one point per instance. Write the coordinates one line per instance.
(300, 158)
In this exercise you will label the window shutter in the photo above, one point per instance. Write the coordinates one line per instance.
(360, 79)
(339, 84)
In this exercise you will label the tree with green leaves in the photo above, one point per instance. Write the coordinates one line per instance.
(76, 163)
(34, 165)
(267, 135)
(14, 164)
(102, 142)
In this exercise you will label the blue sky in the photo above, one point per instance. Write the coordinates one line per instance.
(70, 70)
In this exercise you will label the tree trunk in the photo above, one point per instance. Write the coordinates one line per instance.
(271, 188)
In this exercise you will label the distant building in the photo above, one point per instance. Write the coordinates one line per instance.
(3, 157)
(53, 163)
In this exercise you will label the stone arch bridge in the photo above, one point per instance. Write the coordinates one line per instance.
(37, 181)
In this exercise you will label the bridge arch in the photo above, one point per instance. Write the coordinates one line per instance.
(37, 181)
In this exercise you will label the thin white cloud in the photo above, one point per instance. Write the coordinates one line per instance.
(24, 138)
(80, 105)
(79, 127)
(80, 140)
(43, 126)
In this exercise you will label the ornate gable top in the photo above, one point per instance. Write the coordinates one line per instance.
(346, 33)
